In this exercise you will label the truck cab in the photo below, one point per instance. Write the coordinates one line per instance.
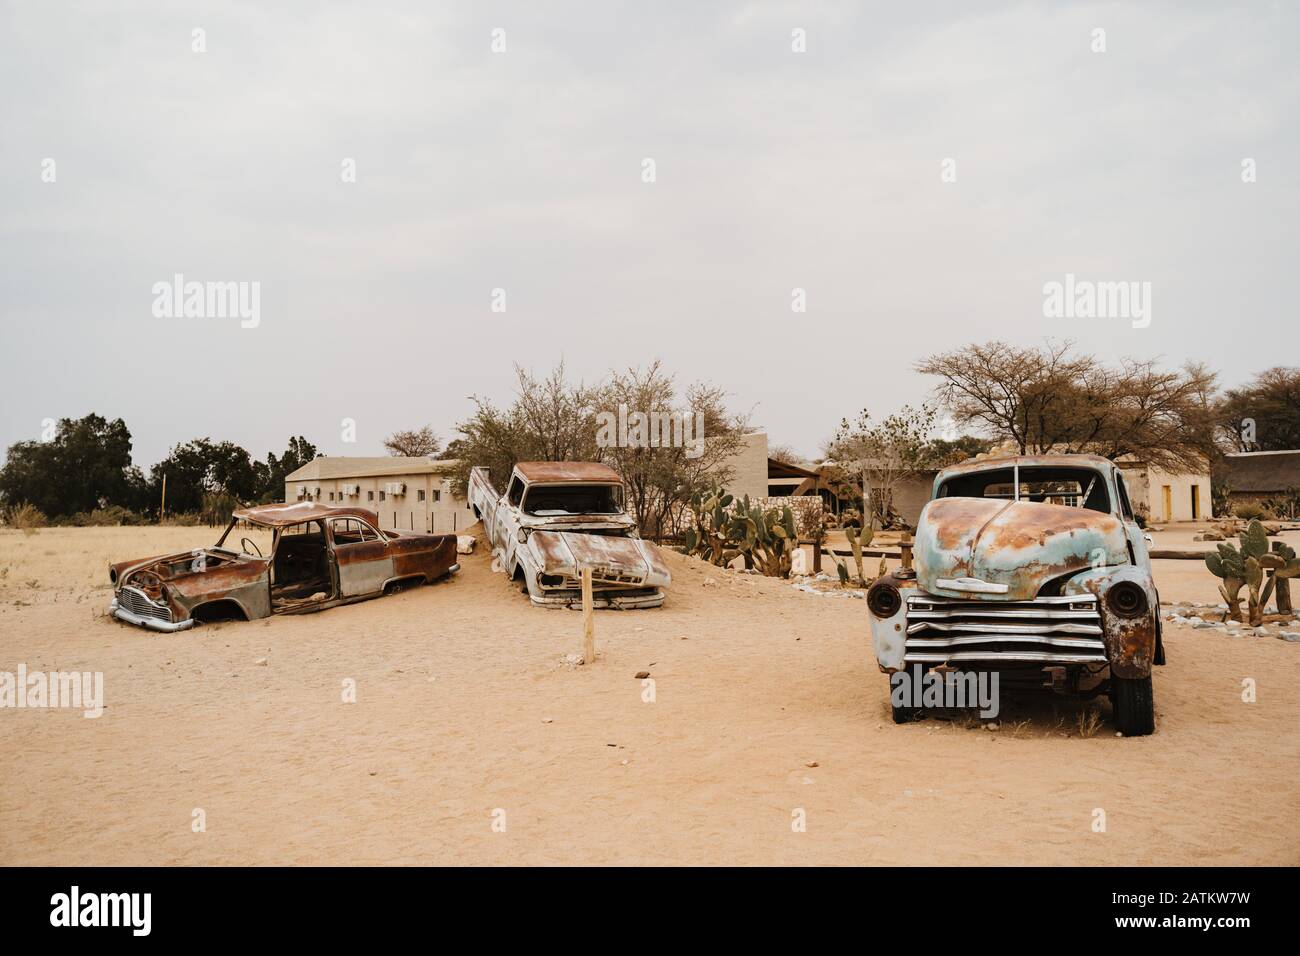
(554, 519)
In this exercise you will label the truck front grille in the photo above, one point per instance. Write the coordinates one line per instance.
(138, 603)
(1046, 630)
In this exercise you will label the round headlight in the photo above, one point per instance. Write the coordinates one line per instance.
(1127, 599)
(883, 600)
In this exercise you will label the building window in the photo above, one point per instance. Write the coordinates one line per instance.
(381, 496)
(370, 496)
(437, 495)
(331, 496)
(419, 495)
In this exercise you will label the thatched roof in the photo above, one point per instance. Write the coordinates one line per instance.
(1262, 472)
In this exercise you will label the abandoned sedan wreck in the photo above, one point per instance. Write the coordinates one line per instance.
(319, 557)
(1034, 568)
(557, 518)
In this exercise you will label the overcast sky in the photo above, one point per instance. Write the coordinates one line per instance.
(523, 170)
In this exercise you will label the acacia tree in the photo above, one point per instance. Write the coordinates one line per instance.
(550, 419)
(1264, 414)
(553, 419)
(660, 479)
(414, 443)
(1054, 399)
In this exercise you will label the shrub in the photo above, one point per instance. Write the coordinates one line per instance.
(26, 518)
(1251, 511)
(110, 517)
(182, 518)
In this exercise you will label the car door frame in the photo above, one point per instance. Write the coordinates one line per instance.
(377, 553)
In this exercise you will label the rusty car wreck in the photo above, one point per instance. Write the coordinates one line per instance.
(556, 518)
(320, 557)
(1033, 567)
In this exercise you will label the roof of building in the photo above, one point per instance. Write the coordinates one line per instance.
(1262, 471)
(566, 471)
(343, 466)
(776, 468)
(282, 515)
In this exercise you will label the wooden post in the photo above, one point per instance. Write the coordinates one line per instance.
(905, 551)
(817, 554)
(162, 510)
(588, 622)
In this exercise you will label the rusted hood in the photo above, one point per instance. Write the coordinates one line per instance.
(613, 560)
(1015, 547)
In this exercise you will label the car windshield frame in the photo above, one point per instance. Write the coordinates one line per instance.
(1093, 494)
(618, 496)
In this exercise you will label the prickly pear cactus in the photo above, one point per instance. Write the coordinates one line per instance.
(725, 529)
(1230, 565)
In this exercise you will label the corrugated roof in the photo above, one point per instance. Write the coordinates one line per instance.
(1262, 472)
(343, 466)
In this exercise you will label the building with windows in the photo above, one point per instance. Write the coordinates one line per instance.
(414, 494)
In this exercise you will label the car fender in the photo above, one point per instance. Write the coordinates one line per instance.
(1130, 642)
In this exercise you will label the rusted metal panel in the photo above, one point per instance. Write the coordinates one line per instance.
(548, 550)
(297, 512)
(1020, 583)
(186, 581)
(1021, 545)
(424, 555)
(1130, 642)
(615, 561)
(553, 471)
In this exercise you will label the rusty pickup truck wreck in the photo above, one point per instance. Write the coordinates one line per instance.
(1033, 567)
(319, 557)
(558, 517)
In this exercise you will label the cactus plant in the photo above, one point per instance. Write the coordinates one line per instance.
(1245, 567)
(1281, 562)
(1229, 565)
(858, 539)
(725, 529)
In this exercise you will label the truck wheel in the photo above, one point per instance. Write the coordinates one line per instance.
(1135, 707)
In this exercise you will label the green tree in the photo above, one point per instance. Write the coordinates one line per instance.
(86, 465)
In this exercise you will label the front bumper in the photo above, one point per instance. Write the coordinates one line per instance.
(617, 600)
(168, 627)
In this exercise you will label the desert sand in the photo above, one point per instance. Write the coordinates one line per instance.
(767, 702)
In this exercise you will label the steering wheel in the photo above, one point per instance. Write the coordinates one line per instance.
(246, 543)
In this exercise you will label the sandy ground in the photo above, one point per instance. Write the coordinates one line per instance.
(767, 703)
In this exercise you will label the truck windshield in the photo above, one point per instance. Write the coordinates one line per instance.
(1075, 487)
(551, 500)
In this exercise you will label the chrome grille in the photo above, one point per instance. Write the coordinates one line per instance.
(1047, 630)
(138, 603)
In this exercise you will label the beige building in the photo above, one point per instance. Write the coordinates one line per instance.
(749, 468)
(1163, 496)
(414, 494)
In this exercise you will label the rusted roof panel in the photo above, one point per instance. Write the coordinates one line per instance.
(1027, 461)
(534, 471)
(283, 515)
